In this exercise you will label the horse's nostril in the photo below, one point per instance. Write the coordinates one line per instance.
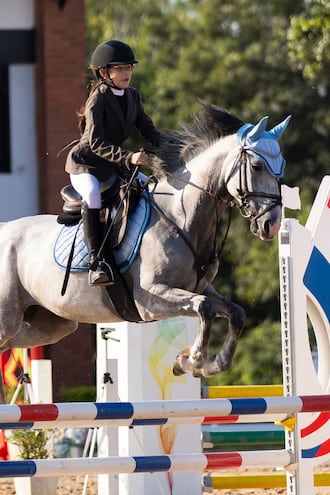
(270, 229)
(266, 227)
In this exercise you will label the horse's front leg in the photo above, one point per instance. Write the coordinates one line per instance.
(192, 359)
(196, 359)
(235, 316)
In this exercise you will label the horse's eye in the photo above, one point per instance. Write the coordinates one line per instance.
(257, 165)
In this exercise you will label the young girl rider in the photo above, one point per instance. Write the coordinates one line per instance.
(112, 110)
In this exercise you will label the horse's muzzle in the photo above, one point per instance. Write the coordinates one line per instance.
(266, 226)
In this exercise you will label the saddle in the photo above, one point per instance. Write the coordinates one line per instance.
(117, 202)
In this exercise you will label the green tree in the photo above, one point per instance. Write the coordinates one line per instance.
(309, 42)
(253, 58)
(258, 358)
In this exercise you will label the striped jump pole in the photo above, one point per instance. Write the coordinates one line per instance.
(114, 423)
(144, 464)
(162, 409)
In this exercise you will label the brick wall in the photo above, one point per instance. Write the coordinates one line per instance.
(61, 90)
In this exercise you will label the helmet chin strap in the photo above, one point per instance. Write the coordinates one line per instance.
(115, 89)
(112, 84)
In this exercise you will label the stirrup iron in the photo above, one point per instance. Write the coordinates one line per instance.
(102, 275)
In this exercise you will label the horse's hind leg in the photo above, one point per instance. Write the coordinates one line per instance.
(41, 327)
(196, 359)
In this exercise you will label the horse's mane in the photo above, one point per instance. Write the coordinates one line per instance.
(211, 124)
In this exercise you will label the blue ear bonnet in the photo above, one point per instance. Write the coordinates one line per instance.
(262, 144)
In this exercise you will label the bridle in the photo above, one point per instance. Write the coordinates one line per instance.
(244, 195)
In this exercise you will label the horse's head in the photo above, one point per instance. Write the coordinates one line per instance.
(253, 179)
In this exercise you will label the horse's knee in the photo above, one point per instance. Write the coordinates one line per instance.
(207, 309)
(237, 318)
(224, 361)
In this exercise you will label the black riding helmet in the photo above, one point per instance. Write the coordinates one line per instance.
(111, 52)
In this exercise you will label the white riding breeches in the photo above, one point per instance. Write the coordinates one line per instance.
(89, 188)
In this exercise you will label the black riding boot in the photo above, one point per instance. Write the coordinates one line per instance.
(100, 272)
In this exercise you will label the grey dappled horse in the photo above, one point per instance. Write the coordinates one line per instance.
(216, 163)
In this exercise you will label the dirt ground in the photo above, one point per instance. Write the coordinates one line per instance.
(68, 485)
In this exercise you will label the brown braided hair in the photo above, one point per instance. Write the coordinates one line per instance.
(81, 112)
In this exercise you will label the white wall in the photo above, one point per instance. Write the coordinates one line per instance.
(19, 188)
(16, 14)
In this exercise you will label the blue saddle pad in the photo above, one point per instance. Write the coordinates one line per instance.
(124, 254)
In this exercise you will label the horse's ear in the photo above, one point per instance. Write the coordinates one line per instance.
(258, 129)
(278, 130)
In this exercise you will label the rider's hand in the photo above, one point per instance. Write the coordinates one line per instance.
(140, 158)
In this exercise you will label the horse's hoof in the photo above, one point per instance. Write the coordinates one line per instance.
(198, 373)
(177, 369)
(182, 364)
